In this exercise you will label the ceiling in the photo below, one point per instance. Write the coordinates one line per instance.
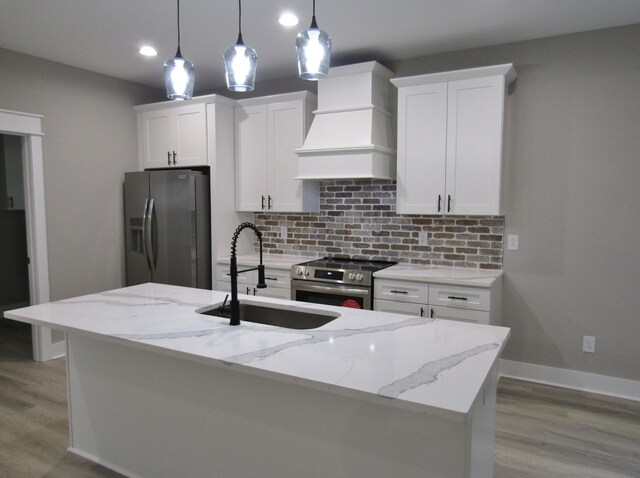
(104, 35)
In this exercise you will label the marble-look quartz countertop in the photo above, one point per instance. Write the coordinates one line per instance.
(424, 365)
(273, 261)
(440, 274)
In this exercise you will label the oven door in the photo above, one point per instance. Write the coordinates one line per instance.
(331, 294)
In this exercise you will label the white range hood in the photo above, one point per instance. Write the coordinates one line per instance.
(352, 134)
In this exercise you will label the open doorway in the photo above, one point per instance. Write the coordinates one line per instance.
(14, 269)
(27, 128)
(14, 273)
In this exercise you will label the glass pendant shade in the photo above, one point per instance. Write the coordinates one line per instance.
(240, 63)
(179, 76)
(314, 53)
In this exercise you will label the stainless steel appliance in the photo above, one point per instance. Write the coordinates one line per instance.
(167, 228)
(336, 281)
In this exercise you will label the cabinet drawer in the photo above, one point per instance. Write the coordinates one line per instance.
(459, 297)
(278, 278)
(395, 307)
(244, 278)
(463, 315)
(401, 291)
(275, 292)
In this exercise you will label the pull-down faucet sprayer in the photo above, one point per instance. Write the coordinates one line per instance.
(235, 305)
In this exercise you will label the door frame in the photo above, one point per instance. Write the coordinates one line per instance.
(29, 127)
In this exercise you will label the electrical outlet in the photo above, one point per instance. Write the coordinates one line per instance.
(423, 238)
(589, 344)
(512, 242)
(283, 232)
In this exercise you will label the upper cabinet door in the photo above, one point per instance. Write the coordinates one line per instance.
(268, 131)
(251, 158)
(175, 136)
(422, 134)
(190, 135)
(286, 133)
(474, 145)
(450, 129)
(157, 139)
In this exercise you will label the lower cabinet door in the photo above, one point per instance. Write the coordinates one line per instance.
(406, 308)
(463, 315)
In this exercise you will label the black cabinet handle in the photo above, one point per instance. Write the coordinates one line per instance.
(398, 291)
(431, 315)
(262, 202)
(10, 202)
(270, 278)
(269, 202)
(169, 158)
(448, 202)
(421, 311)
(439, 202)
(455, 297)
(174, 158)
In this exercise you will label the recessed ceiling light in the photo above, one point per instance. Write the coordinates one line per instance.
(288, 19)
(148, 51)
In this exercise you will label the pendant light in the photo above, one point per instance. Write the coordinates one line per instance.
(314, 51)
(179, 73)
(240, 62)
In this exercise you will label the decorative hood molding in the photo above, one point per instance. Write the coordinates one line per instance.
(352, 134)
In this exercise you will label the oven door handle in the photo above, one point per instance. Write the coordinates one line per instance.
(338, 288)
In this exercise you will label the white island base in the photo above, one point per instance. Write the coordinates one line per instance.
(149, 414)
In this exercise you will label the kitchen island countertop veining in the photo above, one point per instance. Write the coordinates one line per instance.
(426, 365)
(158, 389)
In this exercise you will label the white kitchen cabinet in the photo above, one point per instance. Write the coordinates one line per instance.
(396, 307)
(439, 301)
(268, 130)
(278, 281)
(172, 135)
(450, 135)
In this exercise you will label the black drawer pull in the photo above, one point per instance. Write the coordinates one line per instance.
(431, 313)
(271, 278)
(398, 291)
(421, 311)
(456, 297)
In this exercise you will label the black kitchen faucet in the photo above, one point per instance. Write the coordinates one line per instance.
(235, 305)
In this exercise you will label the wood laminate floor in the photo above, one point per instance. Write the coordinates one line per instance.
(541, 431)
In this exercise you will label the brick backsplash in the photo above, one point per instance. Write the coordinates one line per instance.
(357, 218)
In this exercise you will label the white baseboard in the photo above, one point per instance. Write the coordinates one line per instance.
(587, 382)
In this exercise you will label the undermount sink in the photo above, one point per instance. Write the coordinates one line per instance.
(290, 317)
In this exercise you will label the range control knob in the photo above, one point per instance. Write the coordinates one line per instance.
(306, 272)
(352, 276)
(299, 271)
(359, 277)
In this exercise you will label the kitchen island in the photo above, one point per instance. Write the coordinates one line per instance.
(157, 389)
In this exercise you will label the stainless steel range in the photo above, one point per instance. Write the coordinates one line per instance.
(336, 281)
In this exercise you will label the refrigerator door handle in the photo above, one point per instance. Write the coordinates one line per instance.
(149, 238)
(145, 231)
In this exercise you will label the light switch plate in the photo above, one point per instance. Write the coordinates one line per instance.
(423, 238)
(283, 232)
(589, 344)
(512, 242)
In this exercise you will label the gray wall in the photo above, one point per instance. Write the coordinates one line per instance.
(572, 185)
(90, 141)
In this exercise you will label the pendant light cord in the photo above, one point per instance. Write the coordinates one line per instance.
(314, 24)
(240, 42)
(179, 24)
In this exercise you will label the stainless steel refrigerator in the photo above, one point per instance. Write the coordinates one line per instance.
(167, 227)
